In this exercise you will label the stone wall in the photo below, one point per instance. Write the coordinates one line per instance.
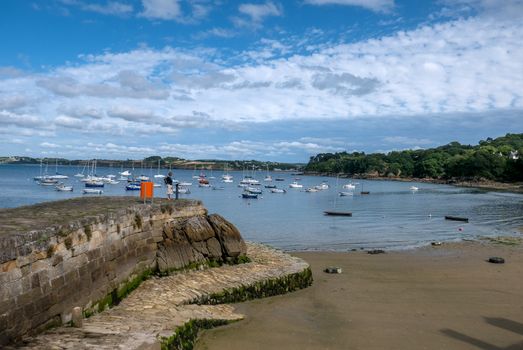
(94, 260)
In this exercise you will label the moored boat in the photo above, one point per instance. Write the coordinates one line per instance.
(64, 188)
(346, 193)
(133, 187)
(92, 191)
(249, 195)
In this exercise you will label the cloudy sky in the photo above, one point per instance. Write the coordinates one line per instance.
(267, 80)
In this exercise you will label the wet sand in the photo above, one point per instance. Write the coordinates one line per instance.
(445, 297)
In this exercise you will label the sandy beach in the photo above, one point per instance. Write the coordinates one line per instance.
(445, 297)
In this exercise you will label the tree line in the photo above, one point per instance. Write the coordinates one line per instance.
(499, 159)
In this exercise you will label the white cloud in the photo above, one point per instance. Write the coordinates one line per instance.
(404, 140)
(161, 9)
(256, 13)
(374, 5)
(109, 8)
(49, 145)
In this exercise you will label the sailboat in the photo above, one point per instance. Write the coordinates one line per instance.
(81, 174)
(335, 212)
(226, 177)
(268, 177)
(159, 176)
(58, 176)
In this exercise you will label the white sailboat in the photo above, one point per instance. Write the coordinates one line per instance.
(226, 177)
(159, 176)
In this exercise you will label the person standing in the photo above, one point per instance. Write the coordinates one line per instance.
(169, 182)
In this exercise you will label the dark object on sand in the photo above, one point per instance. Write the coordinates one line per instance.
(456, 218)
(436, 243)
(496, 260)
(337, 213)
(376, 251)
(332, 269)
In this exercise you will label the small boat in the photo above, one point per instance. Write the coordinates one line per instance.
(92, 191)
(346, 193)
(183, 190)
(112, 182)
(456, 218)
(312, 190)
(227, 180)
(204, 184)
(58, 176)
(48, 182)
(270, 186)
(159, 176)
(203, 181)
(142, 178)
(322, 186)
(337, 213)
(278, 190)
(249, 195)
(64, 188)
(94, 184)
(125, 173)
(185, 183)
(218, 188)
(349, 186)
(280, 179)
(268, 178)
(249, 181)
(295, 185)
(79, 175)
(253, 190)
(133, 187)
(364, 192)
(157, 185)
(413, 188)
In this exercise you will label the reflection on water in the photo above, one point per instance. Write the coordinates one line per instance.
(391, 216)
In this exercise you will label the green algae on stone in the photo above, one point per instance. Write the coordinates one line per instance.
(261, 289)
(185, 336)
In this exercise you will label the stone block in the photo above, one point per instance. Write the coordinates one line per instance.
(230, 239)
(58, 283)
(214, 248)
(77, 317)
(198, 229)
(8, 266)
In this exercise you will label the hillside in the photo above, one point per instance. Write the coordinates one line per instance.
(497, 159)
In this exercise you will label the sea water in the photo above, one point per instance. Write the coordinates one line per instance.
(391, 217)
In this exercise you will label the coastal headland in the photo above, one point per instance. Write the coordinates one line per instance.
(436, 297)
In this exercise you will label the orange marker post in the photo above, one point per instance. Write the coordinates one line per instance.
(146, 190)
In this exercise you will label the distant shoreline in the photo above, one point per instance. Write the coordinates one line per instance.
(516, 187)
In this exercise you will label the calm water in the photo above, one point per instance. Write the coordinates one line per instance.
(391, 217)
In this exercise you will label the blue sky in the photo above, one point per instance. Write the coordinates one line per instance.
(268, 80)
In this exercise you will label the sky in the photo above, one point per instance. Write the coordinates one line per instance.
(266, 80)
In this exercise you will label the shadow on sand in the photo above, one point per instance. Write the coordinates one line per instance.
(502, 323)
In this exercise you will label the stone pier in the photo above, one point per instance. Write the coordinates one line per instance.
(92, 254)
(150, 316)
